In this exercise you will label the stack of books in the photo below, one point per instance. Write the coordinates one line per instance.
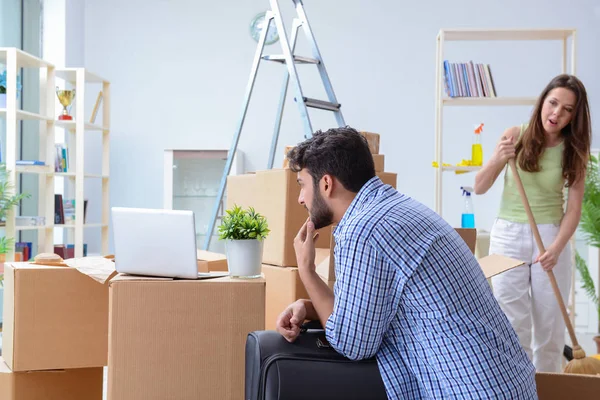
(468, 80)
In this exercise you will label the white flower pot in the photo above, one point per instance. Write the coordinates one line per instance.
(244, 258)
(2, 100)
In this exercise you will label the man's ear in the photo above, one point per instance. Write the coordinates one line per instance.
(327, 183)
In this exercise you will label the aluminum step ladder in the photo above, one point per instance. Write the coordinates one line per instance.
(289, 59)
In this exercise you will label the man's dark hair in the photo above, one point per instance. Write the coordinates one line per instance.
(341, 152)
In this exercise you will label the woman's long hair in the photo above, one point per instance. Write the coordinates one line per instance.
(576, 135)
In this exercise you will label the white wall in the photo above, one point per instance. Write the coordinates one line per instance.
(179, 70)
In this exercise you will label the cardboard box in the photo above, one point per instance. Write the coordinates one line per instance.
(278, 193)
(284, 286)
(54, 318)
(492, 264)
(567, 386)
(70, 384)
(379, 161)
(241, 191)
(389, 178)
(209, 261)
(373, 140)
(181, 339)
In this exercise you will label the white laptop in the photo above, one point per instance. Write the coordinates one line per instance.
(156, 242)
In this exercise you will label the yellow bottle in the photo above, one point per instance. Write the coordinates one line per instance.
(476, 149)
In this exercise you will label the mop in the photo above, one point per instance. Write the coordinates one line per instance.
(580, 364)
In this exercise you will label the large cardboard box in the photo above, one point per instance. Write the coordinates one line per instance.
(284, 286)
(278, 193)
(241, 191)
(389, 178)
(70, 384)
(54, 318)
(567, 386)
(181, 339)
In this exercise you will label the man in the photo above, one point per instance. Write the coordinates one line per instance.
(408, 289)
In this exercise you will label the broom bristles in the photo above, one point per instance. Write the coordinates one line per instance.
(580, 364)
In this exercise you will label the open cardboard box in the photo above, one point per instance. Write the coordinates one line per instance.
(55, 317)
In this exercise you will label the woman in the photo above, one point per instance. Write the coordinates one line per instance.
(552, 153)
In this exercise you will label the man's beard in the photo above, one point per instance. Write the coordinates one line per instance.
(320, 214)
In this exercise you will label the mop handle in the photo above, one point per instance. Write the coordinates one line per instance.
(542, 250)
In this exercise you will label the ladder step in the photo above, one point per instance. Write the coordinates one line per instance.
(321, 104)
(297, 59)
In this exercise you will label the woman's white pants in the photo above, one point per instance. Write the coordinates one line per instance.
(525, 294)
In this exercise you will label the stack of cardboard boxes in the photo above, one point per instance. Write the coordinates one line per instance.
(54, 334)
(160, 338)
(274, 193)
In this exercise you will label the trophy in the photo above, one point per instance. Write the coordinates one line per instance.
(66, 98)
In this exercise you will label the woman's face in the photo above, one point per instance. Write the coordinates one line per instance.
(558, 109)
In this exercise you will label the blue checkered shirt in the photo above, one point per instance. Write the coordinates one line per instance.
(409, 291)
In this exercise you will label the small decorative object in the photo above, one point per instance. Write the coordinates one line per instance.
(256, 26)
(66, 98)
(244, 231)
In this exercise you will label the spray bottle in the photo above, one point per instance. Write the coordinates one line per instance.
(476, 149)
(468, 214)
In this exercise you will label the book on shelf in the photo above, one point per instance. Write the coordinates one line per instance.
(61, 163)
(64, 210)
(468, 79)
(30, 162)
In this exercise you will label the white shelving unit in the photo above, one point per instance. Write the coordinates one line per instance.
(82, 80)
(14, 60)
(441, 101)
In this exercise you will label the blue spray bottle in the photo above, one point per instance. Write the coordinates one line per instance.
(468, 215)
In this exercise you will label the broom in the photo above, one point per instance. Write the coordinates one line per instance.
(580, 364)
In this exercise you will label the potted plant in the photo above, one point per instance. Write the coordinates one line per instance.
(590, 226)
(3, 88)
(8, 200)
(244, 231)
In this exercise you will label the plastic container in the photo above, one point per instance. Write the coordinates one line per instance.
(476, 149)
(468, 215)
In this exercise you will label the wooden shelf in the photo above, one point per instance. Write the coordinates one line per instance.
(72, 226)
(71, 175)
(32, 228)
(504, 34)
(489, 101)
(70, 75)
(70, 125)
(35, 169)
(26, 115)
(24, 60)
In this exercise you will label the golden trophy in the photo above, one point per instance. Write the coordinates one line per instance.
(66, 98)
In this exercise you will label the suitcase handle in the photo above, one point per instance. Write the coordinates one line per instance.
(316, 324)
(322, 343)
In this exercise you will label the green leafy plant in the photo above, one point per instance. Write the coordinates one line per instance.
(241, 224)
(590, 226)
(8, 200)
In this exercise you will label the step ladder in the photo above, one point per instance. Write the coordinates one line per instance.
(289, 59)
